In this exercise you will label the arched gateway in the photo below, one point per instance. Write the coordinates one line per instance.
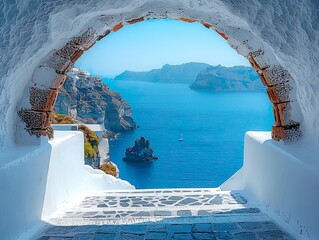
(35, 108)
(41, 40)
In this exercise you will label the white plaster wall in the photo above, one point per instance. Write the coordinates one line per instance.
(22, 189)
(284, 180)
(35, 181)
(288, 31)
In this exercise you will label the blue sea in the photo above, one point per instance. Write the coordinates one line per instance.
(213, 125)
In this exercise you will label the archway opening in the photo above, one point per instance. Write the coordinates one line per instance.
(36, 112)
(213, 124)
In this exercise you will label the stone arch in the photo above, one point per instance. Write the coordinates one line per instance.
(35, 108)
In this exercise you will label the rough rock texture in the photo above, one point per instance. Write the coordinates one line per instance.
(141, 151)
(184, 73)
(89, 100)
(219, 78)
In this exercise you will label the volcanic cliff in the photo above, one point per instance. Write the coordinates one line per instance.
(89, 100)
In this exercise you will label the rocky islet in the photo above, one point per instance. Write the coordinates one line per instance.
(141, 151)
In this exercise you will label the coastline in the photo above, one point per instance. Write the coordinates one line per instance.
(104, 150)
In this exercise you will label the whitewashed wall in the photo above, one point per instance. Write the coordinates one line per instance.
(284, 181)
(34, 181)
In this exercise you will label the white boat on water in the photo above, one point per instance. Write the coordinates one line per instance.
(181, 138)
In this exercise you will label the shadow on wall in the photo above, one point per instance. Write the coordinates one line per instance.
(203, 226)
(40, 178)
(23, 181)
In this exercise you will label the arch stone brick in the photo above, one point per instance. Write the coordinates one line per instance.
(43, 94)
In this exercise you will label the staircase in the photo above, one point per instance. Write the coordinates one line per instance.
(164, 214)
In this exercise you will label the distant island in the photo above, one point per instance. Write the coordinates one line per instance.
(220, 78)
(200, 77)
(184, 73)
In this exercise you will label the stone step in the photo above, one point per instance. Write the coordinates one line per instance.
(162, 200)
(159, 191)
(122, 217)
(255, 228)
(164, 214)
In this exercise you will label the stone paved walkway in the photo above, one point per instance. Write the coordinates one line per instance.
(164, 214)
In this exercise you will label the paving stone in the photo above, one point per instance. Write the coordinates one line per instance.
(203, 213)
(203, 236)
(109, 228)
(104, 236)
(157, 227)
(195, 204)
(109, 212)
(86, 229)
(84, 236)
(137, 199)
(208, 196)
(141, 202)
(182, 236)
(216, 201)
(131, 236)
(202, 228)
(246, 236)
(179, 228)
(272, 234)
(155, 235)
(149, 205)
(60, 230)
(184, 213)
(223, 235)
(167, 202)
(224, 227)
(242, 211)
(250, 225)
(101, 205)
(175, 198)
(110, 197)
(134, 228)
(187, 201)
(239, 199)
(268, 225)
(162, 213)
(245, 230)
(99, 216)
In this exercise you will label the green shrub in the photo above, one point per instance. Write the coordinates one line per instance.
(89, 151)
(91, 142)
(59, 118)
(109, 168)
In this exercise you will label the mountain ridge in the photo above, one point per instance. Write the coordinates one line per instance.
(183, 73)
(220, 78)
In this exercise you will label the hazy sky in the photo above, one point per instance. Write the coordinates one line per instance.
(151, 44)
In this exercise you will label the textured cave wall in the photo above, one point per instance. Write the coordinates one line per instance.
(33, 31)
